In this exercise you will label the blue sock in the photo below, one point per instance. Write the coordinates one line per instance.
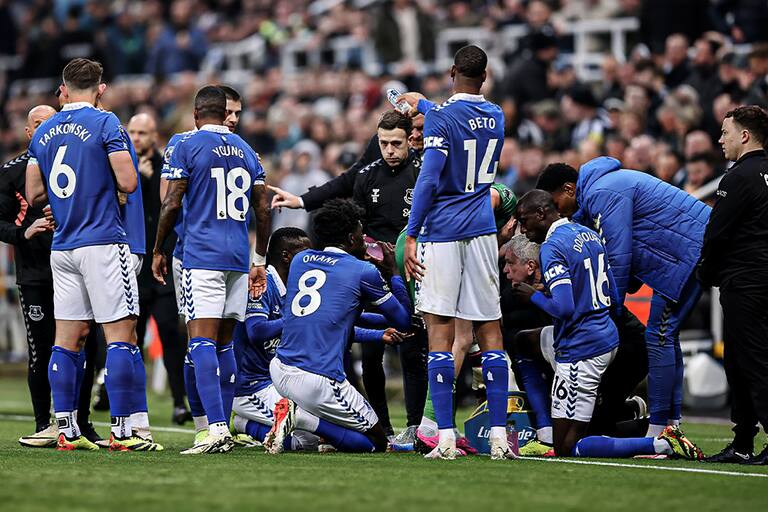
(343, 439)
(257, 430)
(537, 391)
(661, 381)
(677, 393)
(227, 376)
(139, 390)
(119, 378)
(62, 375)
(613, 447)
(79, 377)
(190, 383)
(440, 367)
(202, 351)
(496, 377)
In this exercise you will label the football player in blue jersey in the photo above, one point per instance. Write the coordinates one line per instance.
(581, 297)
(232, 119)
(219, 178)
(81, 156)
(325, 293)
(456, 262)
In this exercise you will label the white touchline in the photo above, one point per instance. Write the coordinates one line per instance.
(645, 466)
(19, 417)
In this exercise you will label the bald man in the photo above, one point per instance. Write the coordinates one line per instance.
(156, 299)
(31, 235)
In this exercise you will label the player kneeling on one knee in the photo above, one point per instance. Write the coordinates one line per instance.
(581, 297)
(325, 293)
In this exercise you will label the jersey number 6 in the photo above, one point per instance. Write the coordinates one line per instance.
(60, 168)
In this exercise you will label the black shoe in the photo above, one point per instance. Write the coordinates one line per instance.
(729, 456)
(761, 459)
(181, 415)
(90, 433)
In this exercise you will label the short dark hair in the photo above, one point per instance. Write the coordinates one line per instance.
(536, 198)
(335, 221)
(281, 240)
(470, 61)
(554, 176)
(392, 119)
(231, 93)
(752, 118)
(210, 101)
(82, 74)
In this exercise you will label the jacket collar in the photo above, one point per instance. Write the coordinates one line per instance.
(751, 154)
(216, 128)
(77, 105)
(463, 96)
(335, 249)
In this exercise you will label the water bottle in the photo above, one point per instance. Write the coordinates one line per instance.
(401, 106)
(512, 439)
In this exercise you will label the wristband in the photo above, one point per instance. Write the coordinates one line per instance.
(259, 260)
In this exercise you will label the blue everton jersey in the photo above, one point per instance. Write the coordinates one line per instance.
(575, 255)
(221, 169)
(470, 131)
(326, 292)
(133, 212)
(254, 358)
(72, 149)
(178, 251)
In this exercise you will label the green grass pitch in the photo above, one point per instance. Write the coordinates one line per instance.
(249, 479)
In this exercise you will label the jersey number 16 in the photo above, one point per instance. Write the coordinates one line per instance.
(596, 283)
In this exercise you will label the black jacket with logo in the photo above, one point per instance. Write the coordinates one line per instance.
(386, 194)
(32, 257)
(735, 250)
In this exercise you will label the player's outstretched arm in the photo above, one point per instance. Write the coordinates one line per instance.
(258, 274)
(126, 174)
(35, 188)
(284, 199)
(169, 211)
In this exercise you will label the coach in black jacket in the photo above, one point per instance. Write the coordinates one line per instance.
(735, 258)
(31, 235)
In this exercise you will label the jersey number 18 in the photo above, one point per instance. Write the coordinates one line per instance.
(228, 191)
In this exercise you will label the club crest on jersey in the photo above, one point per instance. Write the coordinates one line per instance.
(168, 153)
(36, 313)
(553, 272)
(408, 197)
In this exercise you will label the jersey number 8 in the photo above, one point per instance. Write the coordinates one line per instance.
(60, 168)
(227, 196)
(312, 291)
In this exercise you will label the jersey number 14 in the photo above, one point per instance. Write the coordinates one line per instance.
(484, 175)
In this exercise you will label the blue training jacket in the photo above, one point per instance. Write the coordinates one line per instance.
(653, 231)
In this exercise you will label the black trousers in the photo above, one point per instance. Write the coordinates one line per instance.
(162, 306)
(745, 335)
(413, 360)
(37, 307)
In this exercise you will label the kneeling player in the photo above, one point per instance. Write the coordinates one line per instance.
(580, 286)
(325, 292)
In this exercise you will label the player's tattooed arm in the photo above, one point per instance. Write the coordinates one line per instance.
(35, 187)
(169, 211)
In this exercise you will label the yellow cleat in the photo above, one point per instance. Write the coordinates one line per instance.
(79, 443)
(244, 441)
(211, 444)
(133, 444)
(681, 447)
(536, 448)
(200, 436)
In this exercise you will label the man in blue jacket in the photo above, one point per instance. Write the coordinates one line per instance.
(653, 234)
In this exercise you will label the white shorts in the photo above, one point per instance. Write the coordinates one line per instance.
(214, 294)
(137, 260)
(177, 268)
(94, 283)
(574, 388)
(258, 407)
(331, 400)
(461, 279)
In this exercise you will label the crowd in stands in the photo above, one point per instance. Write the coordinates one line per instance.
(657, 109)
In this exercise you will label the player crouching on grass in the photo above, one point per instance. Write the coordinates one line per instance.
(581, 297)
(326, 291)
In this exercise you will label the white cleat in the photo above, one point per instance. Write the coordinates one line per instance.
(284, 424)
(500, 449)
(211, 444)
(46, 438)
(445, 450)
